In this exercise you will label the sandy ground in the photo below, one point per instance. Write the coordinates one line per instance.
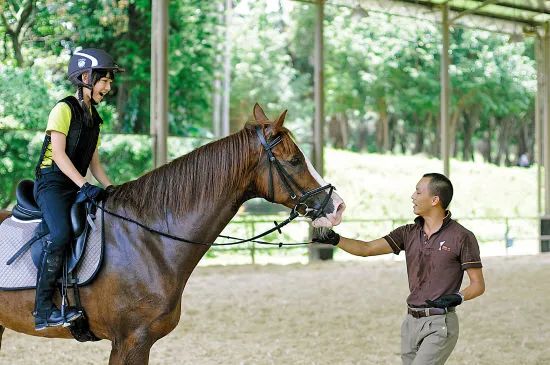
(327, 313)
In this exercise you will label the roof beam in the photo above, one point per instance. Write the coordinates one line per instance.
(456, 8)
(542, 10)
(472, 10)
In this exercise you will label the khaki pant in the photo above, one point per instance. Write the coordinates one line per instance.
(428, 340)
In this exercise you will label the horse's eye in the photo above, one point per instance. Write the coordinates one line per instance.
(295, 161)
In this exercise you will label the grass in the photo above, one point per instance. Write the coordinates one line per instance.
(380, 186)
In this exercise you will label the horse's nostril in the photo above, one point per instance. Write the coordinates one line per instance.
(341, 208)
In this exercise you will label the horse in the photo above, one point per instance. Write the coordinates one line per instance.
(136, 298)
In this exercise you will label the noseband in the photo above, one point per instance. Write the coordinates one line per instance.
(289, 182)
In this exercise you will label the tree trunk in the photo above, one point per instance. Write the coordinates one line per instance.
(24, 18)
(339, 130)
(419, 134)
(344, 129)
(503, 138)
(452, 131)
(488, 155)
(382, 128)
(138, 121)
(435, 145)
(362, 136)
(471, 120)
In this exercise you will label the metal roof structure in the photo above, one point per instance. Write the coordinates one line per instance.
(509, 16)
(529, 12)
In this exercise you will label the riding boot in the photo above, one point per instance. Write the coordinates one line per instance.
(46, 313)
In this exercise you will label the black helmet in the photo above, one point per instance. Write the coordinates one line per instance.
(87, 60)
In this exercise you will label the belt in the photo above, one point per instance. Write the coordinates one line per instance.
(47, 170)
(426, 312)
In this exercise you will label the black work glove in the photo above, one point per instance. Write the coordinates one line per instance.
(93, 192)
(445, 301)
(329, 237)
(110, 189)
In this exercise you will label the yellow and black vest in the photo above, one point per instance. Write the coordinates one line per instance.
(81, 139)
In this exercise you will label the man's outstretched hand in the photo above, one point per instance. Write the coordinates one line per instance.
(324, 236)
(445, 301)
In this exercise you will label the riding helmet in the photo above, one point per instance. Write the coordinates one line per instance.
(87, 60)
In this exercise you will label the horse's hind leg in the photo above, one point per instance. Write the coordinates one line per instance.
(1, 333)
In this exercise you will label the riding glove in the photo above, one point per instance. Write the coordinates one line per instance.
(329, 237)
(445, 301)
(92, 192)
(110, 189)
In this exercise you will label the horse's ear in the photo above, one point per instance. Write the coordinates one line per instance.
(259, 115)
(277, 126)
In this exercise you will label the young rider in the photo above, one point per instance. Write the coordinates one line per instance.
(69, 149)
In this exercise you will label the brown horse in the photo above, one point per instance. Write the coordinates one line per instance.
(136, 298)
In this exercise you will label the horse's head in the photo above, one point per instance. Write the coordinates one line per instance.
(287, 177)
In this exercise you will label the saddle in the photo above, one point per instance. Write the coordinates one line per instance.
(26, 209)
(82, 263)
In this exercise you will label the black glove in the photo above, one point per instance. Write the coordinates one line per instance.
(445, 301)
(92, 192)
(110, 189)
(329, 237)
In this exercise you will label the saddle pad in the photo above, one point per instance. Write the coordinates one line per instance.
(21, 274)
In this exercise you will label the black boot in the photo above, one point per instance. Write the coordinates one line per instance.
(46, 313)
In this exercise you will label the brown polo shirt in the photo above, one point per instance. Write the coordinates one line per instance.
(435, 266)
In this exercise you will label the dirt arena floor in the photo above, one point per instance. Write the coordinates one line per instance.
(327, 313)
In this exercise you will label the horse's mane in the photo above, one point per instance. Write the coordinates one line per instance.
(202, 175)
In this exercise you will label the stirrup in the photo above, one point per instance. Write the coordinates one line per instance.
(73, 317)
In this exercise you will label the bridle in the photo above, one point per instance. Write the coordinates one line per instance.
(289, 182)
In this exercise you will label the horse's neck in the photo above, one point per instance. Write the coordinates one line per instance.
(204, 224)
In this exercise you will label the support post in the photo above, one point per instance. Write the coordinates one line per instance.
(319, 253)
(539, 110)
(545, 219)
(445, 90)
(225, 127)
(546, 120)
(159, 81)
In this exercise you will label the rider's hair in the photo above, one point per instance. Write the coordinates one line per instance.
(96, 76)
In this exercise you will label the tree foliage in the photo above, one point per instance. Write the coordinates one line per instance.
(381, 76)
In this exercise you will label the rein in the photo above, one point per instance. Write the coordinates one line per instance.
(278, 226)
(288, 182)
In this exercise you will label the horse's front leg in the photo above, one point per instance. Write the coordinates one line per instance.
(132, 349)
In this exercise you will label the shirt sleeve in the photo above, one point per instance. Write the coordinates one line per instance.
(469, 252)
(397, 238)
(59, 119)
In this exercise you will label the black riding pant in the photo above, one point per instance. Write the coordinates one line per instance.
(55, 193)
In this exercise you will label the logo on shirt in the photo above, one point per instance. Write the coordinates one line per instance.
(442, 247)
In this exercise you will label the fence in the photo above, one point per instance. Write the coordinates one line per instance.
(496, 236)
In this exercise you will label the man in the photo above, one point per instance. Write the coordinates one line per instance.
(437, 250)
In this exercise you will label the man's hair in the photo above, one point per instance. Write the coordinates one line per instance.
(441, 186)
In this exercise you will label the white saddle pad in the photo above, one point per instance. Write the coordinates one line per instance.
(21, 274)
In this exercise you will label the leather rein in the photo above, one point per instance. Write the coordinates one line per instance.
(288, 182)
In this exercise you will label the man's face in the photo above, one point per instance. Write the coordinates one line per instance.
(422, 199)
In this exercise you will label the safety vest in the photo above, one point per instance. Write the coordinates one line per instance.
(81, 139)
